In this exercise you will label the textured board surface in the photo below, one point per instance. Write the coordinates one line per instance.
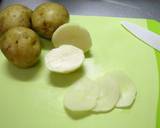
(32, 98)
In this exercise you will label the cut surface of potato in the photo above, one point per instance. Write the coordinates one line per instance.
(64, 59)
(127, 89)
(73, 34)
(109, 94)
(82, 96)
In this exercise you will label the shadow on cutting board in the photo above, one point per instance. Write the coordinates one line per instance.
(88, 54)
(22, 74)
(64, 80)
(77, 115)
(46, 44)
(80, 115)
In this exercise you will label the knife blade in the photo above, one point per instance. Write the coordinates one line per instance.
(148, 37)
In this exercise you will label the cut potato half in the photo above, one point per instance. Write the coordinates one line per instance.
(73, 34)
(109, 94)
(65, 59)
(82, 96)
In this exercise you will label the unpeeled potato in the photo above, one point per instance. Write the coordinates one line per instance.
(47, 17)
(21, 46)
(14, 15)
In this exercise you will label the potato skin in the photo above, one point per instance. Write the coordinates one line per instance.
(15, 15)
(47, 17)
(21, 46)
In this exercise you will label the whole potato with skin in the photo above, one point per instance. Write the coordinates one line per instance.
(21, 46)
(15, 15)
(47, 17)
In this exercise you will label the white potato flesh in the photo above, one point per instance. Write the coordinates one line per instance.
(65, 59)
(127, 89)
(72, 34)
(82, 96)
(109, 94)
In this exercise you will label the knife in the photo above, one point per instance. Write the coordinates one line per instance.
(148, 37)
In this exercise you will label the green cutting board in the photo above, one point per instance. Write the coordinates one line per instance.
(33, 98)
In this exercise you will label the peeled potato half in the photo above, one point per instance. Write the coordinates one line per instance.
(64, 59)
(72, 34)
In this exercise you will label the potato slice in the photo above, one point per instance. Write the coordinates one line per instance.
(82, 96)
(73, 34)
(64, 59)
(109, 94)
(127, 89)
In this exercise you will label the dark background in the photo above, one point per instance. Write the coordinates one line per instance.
(116, 8)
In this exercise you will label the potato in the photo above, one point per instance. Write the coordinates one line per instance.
(21, 46)
(14, 15)
(65, 59)
(72, 34)
(47, 17)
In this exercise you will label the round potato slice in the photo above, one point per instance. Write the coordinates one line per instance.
(64, 59)
(109, 94)
(73, 34)
(82, 96)
(127, 89)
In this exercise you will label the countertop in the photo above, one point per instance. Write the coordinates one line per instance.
(116, 8)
